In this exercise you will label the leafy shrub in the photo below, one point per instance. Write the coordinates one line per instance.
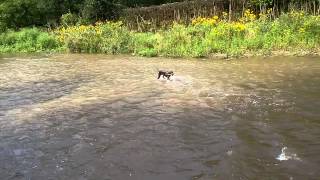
(109, 38)
(69, 19)
(145, 44)
(27, 40)
(46, 41)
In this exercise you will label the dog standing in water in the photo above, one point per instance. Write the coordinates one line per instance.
(166, 74)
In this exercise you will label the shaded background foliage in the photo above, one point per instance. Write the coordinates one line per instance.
(23, 13)
(15, 14)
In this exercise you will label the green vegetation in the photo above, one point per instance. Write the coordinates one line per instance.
(94, 26)
(15, 14)
(295, 31)
(109, 38)
(28, 40)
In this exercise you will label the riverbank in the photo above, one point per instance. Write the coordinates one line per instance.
(292, 34)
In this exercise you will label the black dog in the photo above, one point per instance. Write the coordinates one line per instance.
(166, 74)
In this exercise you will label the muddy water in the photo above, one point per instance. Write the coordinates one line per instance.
(85, 117)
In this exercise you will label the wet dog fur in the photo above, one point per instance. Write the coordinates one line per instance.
(166, 74)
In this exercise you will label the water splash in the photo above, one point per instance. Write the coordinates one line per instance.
(284, 156)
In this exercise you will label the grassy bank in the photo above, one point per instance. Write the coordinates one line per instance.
(205, 37)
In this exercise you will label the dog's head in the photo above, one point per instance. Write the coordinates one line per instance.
(170, 73)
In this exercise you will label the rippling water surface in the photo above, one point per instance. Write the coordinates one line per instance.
(92, 117)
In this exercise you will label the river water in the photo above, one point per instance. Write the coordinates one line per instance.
(96, 117)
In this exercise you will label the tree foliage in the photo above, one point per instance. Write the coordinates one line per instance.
(23, 13)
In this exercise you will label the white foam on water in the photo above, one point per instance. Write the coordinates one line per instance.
(229, 153)
(284, 156)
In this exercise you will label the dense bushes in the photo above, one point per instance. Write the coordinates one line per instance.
(69, 19)
(295, 31)
(27, 40)
(15, 14)
(109, 38)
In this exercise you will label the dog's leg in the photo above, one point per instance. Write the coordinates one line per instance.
(159, 75)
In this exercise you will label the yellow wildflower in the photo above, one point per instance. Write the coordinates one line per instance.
(239, 26)
(302, 30)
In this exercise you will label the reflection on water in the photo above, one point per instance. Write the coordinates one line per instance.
(84, 117)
